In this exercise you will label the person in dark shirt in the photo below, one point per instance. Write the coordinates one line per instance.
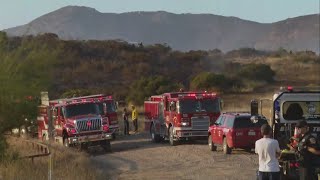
(125, 122)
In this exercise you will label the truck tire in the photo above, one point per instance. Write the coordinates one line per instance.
(171, 138)
(225, 147)
(113, 136)
(106, 145)
(212, 147)
(154, 137)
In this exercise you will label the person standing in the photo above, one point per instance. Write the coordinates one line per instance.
(134, 117)
(309, 153)
(125, 122)
(268, 151)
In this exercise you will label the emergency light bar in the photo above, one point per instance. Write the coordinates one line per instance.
(198, 95)
(301, 88)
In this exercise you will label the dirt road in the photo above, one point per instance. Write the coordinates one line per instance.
(136, 157)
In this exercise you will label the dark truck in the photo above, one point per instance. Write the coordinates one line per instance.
(289, 107)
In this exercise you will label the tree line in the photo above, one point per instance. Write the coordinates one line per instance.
(130, 72)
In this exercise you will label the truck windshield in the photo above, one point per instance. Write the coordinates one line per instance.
(81, 109)
(199, 105)
(301, 110)
(111, 107)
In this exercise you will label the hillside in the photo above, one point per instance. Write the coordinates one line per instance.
(134, 72)
(179, 31)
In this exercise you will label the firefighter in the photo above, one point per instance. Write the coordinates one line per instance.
(125, 122)
(134, 117)
(309, 153)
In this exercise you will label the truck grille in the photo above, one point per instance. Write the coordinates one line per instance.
(88, 125)
(200, 123)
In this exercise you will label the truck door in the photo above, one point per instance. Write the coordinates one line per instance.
(56, 120)
(173, 112)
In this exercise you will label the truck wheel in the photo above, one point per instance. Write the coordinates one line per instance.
(212, 147)
(65, 142)
(226, 148)
(171, 138)
(154, 137)
(106, 145)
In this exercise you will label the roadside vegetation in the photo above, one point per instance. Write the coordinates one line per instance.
(67, 164)
(131, 72)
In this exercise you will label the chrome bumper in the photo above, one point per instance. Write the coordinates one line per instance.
(90, 138)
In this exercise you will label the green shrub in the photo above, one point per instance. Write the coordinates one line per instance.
(209, 80)
(145, 87)
(257, 72)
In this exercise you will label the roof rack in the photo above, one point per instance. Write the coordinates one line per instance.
(237, 112)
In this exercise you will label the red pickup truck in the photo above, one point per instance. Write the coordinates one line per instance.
(235, 130)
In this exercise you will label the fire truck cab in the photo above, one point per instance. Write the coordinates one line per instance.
(108, 110)
(75, 122)
(181, 115)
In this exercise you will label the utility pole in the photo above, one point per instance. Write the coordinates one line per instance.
(45, 101)
(50, 130)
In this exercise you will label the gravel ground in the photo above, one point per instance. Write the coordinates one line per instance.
(136, 157)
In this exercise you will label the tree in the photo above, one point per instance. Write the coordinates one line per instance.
(258, 72)
(209, 80)
(145, 87)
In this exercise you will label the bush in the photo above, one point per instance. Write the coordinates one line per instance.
(75, 93)
(257, 72)
(145, 87)
(209, 80)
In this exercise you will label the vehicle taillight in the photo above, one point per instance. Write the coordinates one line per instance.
(296, 164)
(233, 134)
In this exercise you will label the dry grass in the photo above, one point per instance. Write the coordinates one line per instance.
(67, 164)
(241, 102)
(288, 69)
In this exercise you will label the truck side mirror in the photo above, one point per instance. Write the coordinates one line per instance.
(104, 108)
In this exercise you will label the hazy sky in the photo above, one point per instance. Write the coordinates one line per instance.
(18, 12)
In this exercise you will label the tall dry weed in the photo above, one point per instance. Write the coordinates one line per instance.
(67, 164)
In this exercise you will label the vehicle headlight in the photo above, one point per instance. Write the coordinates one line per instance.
(185, 123)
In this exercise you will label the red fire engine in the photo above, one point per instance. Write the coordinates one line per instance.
(79, 121)
(181, 115)
(107, 109)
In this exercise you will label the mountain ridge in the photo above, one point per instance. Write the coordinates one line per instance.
(180, 31)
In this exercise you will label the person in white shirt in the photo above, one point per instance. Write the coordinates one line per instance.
(268, 151)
